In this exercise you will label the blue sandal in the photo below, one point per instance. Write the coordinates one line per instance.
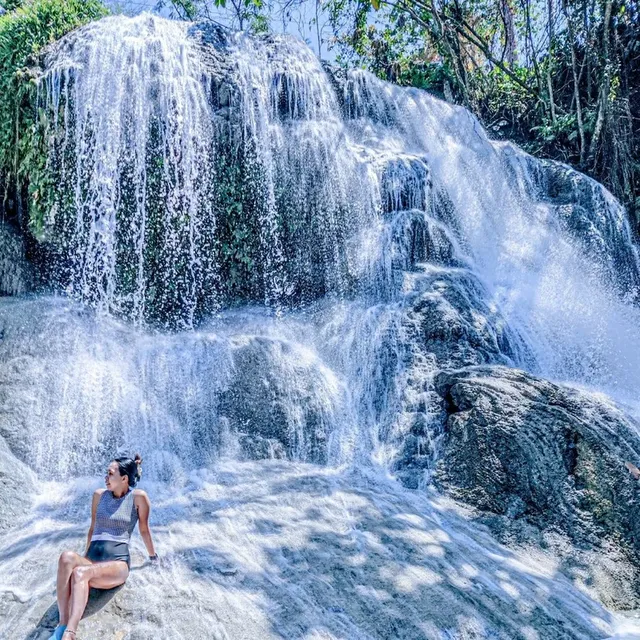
(58, 632)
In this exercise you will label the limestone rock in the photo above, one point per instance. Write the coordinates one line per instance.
(17, 485)
(544, 465)
(586, 211)
(281, 404)
(447, 323)
(453, 321)
(516, 445)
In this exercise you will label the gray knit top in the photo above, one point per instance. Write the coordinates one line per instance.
(115, 517)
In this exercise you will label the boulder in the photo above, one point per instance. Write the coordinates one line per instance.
(281, 400)
(447, 324)
(518, 445)
(450, 318)
(538, 457)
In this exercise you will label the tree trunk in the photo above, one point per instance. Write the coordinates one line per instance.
(552, 105)
(605, 82)
(506, 12)
(576, 81)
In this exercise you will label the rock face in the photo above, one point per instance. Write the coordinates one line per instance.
(17, 484)
(447, 323)
(530, 452)
(273, 209)
(281, 403)
(452, 320)
(518, 445)
(15, 272)
(584, 210)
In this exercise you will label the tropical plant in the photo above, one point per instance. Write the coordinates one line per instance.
(25, 30)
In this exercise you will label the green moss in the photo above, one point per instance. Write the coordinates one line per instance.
(24, 32)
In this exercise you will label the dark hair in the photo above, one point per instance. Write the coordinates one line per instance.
(130, 468)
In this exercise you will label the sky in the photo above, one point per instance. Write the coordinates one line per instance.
(298, 27)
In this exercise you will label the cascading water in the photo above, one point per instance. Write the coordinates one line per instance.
(208, 169)
(204, 183)
(370, 236)
(157, 113)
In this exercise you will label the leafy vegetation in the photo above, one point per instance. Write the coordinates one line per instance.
(242, 14)
(25, 29)
(560, 77)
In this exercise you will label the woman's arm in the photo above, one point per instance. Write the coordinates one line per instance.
(144, 507)
(94, 507)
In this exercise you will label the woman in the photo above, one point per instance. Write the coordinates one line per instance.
(105, 564)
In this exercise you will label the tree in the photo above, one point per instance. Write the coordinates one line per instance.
(562, 78)
(10, 5)
(241, 14)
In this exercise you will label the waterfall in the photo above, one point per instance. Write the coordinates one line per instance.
(125, 139)
(257, 271)
(282, 256)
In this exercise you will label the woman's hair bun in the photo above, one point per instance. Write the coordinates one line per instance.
(131, 468)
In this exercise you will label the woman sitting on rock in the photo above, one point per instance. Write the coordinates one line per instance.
(105, 564)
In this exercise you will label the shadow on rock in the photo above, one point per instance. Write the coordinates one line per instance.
(98, 599)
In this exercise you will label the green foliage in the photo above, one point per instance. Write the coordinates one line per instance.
(558, 78)
(10, 5)
(185, 9)
(24, 32)
(236, 197)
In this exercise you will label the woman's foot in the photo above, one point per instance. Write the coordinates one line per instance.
(69, 635)
(58, 631)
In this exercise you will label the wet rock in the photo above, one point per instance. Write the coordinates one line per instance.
(191, 396)
(38, 339)
(406, 184)
(312, 549)
(17, 485)
(445, 321)
(451, 319)
(586, 211)
(255, 447)
(15, 272)
(281, 401)
(529, 452)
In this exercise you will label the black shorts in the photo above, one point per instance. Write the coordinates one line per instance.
(106, 550)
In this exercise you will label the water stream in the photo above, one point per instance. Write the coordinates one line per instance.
(246, 249)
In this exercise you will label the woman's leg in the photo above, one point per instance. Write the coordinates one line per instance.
(101, 575)
(66, 564)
